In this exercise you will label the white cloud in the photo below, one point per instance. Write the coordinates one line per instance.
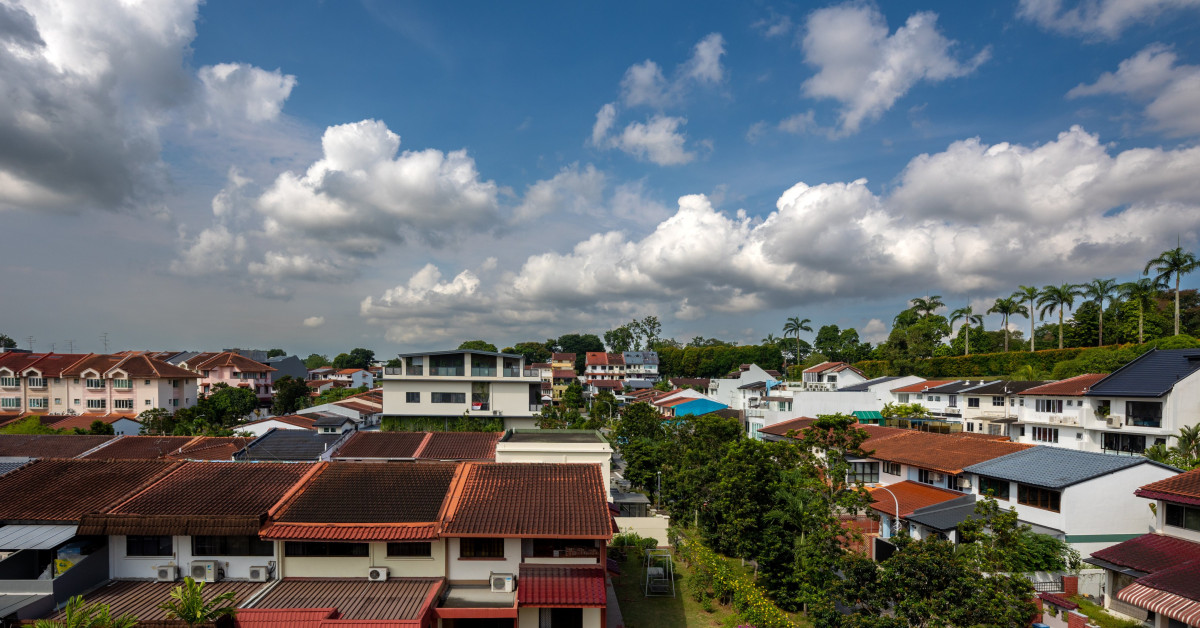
(605, 118)
(645, 84)
(1105, 18)
(313, 322)
(774, 26)
(1171, 92)
(576, 190)
(866, 69)
(799, 123)
(705, 64)
(875, 332)
(278, 266)
(215, 250)
(657, 140)
(361, 196)
(244, 92)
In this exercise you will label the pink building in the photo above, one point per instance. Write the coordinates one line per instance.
(234, 370)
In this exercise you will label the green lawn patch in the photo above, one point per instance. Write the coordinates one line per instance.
(1101, 617)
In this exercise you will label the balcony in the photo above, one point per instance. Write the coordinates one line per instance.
(482, 371)
(446, 371)
(1063, 419)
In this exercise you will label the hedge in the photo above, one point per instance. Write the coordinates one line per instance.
(441, 424)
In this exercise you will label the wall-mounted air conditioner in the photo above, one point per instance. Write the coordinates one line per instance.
(964, 483)
(205, 570)
(501, 582)
(377, 574)
(166, 573)
(259, 573)
(1115, 422)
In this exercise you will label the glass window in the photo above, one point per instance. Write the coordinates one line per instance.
(444, 397)
(891, 468)
(10, 402)
(123, 404)
(998, 402)
(412, 397)
(997, 488)
(231, 546)
(1183, 517)
(483, 366)
(409, 550)
(94, 383)
(148, 545)
(1045, 434)
(97, 404)
(481, 548)
(1124, 443)
(1043, 498)
(1143, 413)
(324, 548)
(446, 365)
(1053, 406)
(972, 402)
(864, 472)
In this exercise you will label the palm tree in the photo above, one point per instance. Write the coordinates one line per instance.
(770, 340)
(1058, 298)
(1100, 290)
(1031, 294)
(794, 326)
(1006, 307)
(1140, 293)
(1189, 441)
(1177, 262)
(187, 604)
(927, 306)
(968, 316)
(76, 615)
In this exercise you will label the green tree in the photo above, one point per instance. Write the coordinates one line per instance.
(534, 352)
(1140, 294)
(1007, 307)
(228, 405)
(1058, 298)
(620, 339)
(157, 421)
(337, 394)
(553, 418)
(604, 406)
(78, 614)
(99, 428)
(290, 395)
(271, 353)
(580, 345)
(315, 360)
(7, 342)
(572, 397)
(649, 328)
(793, 327)
(187, 604)
(358, 358)
(968, 316)
(28, 425)
(1176, 262)
(1101, 291)
(477, 345)
(1030, 294)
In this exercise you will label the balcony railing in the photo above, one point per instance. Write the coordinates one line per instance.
(394, 370)
(446, 371)
(535, 407)
(477, 371)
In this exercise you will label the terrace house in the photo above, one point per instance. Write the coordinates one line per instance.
(234, 370)
(1145, 402)
(1057, 414)
(463, 382)
(831, 376)
(60, 384)
(992, 407)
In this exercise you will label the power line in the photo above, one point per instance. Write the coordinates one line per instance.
(70, 346)
(104, 337)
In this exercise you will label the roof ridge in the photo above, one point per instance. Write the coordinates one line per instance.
(170, 470)
(422, 445)
(454, 491)
(294, 492)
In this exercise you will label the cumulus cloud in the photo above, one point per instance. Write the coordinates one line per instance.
(657, 140)
(573, 189)
(1171, 92)
(775, 25)
(241, 91)
(875, 332)
(1070, 204)
(313, 322)
(279, 266)
(1102, 18)
(215, 250)
(865, 69)
(645, 84)
(361, 195)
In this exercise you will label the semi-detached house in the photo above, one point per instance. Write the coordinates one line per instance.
(65, 384)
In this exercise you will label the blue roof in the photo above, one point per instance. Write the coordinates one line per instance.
(1055, 467)
(698, 407)
(8, 466)
(1153, 374)
(864, 386)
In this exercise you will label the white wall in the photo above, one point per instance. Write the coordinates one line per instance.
(357, 566)
(258, 429)
(572, 453)
(528, 617)
(511, 398)
(143, 566)
(480, 569)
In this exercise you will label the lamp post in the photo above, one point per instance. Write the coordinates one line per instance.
(658, 491)
(896, 522)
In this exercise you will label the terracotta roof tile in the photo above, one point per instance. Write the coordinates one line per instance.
(1182, 488)
(460, 446)
(389, 492)
(49, 445)
(939, 452)
(562, 357)
(78, 487)
(141, 598)
(1150, 553)
(387, 445)
(1072, 387)
(84, 421)
(564, 374)
(140, 447)
(562, 586)
(530, 500)
(356, 598)
(211, 448)
(911, 496)
(922, 386)
(237, 361)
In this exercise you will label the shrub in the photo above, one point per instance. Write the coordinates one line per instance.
(718, 579)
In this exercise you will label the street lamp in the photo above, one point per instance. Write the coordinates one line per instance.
(896, 523)
(658, 491)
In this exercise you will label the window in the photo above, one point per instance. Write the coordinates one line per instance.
(37, 382)
(444, 397)
(174, 383)
(1013, 402)
(997, 488)
(953, 401)
(409, 550)
(147, 402)
(412, 397)
(147, 545)
(1045, 434)
(1043, 498)
(446, 365)
(94, 383)
(10, 402)
(123, 384)
(1143, 413)
(928, 477)
(997, 402)
(865, 472)
(483, 366)
(480, 395)
(324, 548)
(891, 468)
(1053, 406)
(903, 397)
(146, 382)
(206, 372)
(973, 402)
(481, 548)
(231, 546)
(58, 401)
(175, 402)
(1187, 517)
(414, 366)
(76, 402)
(97, 404)
(559, 548)
(10, 382)
(39, 402)
(1124, 443)
(970, 426)
(123, 404)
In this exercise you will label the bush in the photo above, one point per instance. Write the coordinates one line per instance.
(441, 424)
(713, 577)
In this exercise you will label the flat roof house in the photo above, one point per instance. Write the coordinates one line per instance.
(451, 384)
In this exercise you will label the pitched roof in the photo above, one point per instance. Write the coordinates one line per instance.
(78, 487)
(1004, 386)
(387, 445)
(1153, 374)
(209, 498)
(460, 446)
(939, 452)
(1055, 467)
(562, 586)
(288, 445)
(49, 445)
(211, 448)
(529, 500)
(1071, 387)
(367, 502)
(564, 374)
(1183, 489)
(601, 358)
(955, 387)
(84, 421)
(290, 419)
(230, 358)
(910, 495)
(922, 386)
(946, 515)
(355, 598)
(562, 357)
(865, 386)
(328, 419)
(832, 367)
(140, 447)
(1150, 553)
(783, 427)
(12, 464)
(680, 382)
(141, 598)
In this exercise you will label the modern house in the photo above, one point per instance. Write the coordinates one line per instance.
(354, 378)
(641, 368)
(1058, 414)
(463, 382)
(991, 408)
(1146, 401)
(1153, 578)
(831, 376)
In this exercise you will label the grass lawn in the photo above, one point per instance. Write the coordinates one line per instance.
(1100, 617)
(681, 611)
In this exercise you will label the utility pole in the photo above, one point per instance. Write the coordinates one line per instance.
(52, 347)
(70, 346)
(104, 337)
(30, 339)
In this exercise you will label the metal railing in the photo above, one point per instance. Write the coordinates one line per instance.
(1049, 586)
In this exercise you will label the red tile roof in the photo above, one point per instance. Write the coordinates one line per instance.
(385, 445)
(283, 618)
(911, 496)
(1072, 387)
(356, 598)
(1151, 553)
(49, 445)
(290, 419)
(140, 447)
(84, 421)
(939, 452)
(529, 500)
(783, 427)
(561, 586)
(78, 487)
(600, 358)
(141, 598)
(564, 374)
(1183, 488)
(211, 448)
(237, 361)
(53, 364)
(607, 383)
(211, 498)
(460, 446)
(562, 357)
(135, 365)
(833, 367)
(922, 386)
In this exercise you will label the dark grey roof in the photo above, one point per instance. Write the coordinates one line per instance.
(1153, 374)
(182, 357)
(552, 436)
(1002, 387)
(946, 515)
(327, 419)
(1055, 467)
(953, 387)
(471, 351)
(864, 386)
(12, 464)
(640, 357)
(288, 446)
(759, 384)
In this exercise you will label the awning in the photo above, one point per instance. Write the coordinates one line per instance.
(35, 537)
(561, 586)
(868, 415)
(1173, 606)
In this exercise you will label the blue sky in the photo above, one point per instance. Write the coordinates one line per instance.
(321, 175)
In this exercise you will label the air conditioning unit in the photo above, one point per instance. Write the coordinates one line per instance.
(501, 582)
(377, 574)
(166, 573)
(205, 570)
(259, 573)
(1115, 422)
(937, 477)
(964, 483)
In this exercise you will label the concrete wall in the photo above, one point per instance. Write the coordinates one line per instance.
(357, 566)
(142, 567)
(646, 527)
(479, 569)
(511, 398)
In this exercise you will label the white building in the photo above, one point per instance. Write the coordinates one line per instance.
(463, 382)
(1145, 402)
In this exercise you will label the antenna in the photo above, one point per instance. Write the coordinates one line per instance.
(104, 337)
(30, 340)
(70, 346)
(52, 347)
